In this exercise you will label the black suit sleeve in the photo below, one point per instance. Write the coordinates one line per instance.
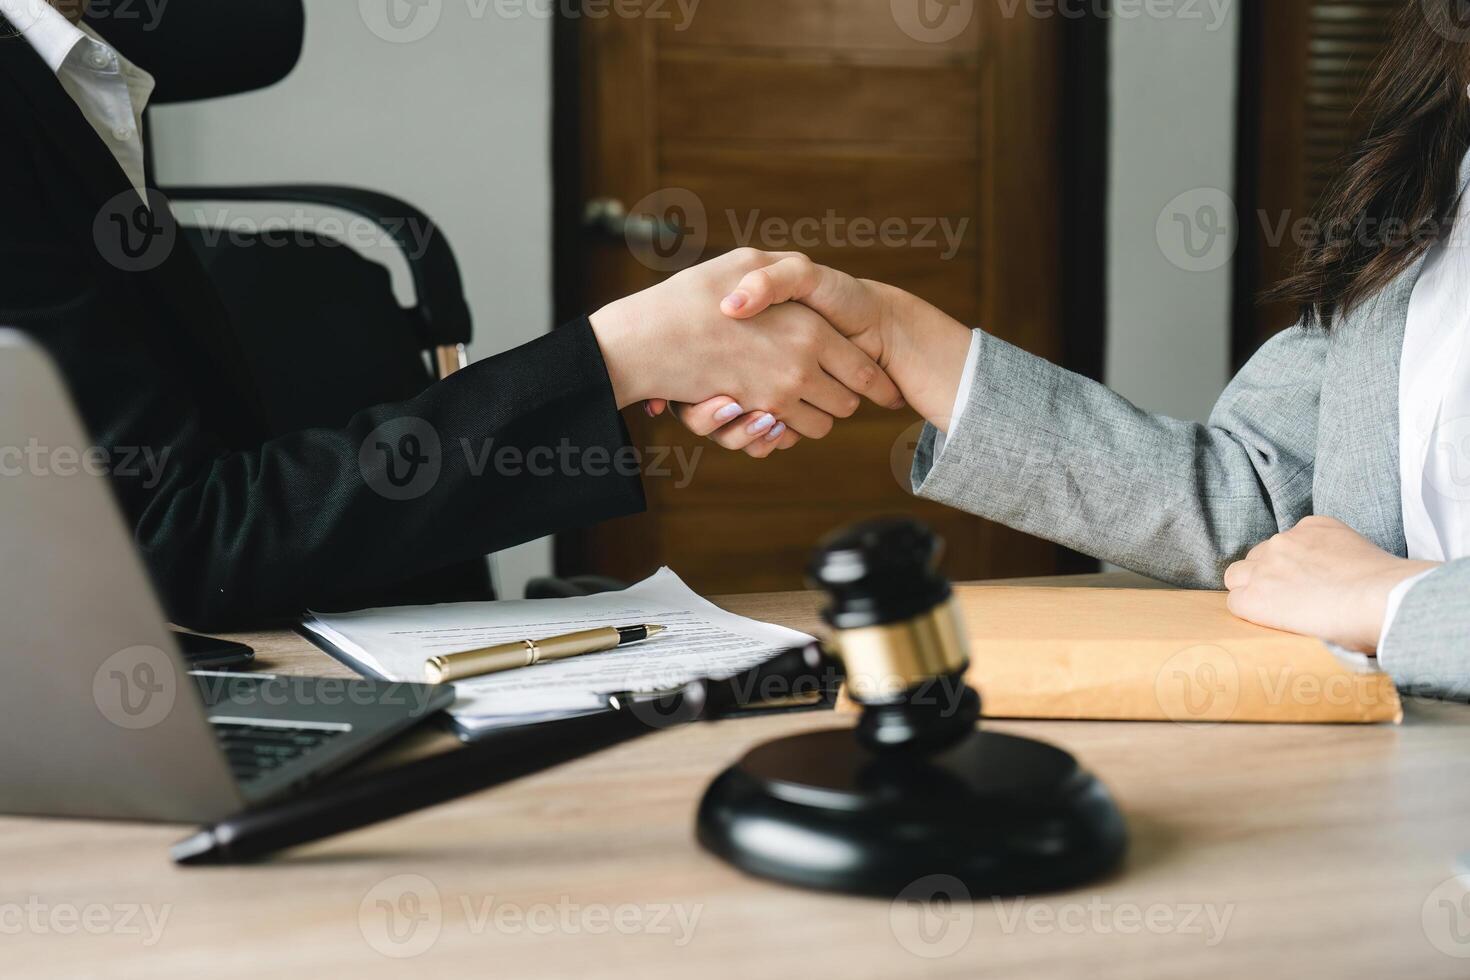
(511, 449)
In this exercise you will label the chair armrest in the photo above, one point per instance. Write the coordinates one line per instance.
(436, 280)
(568, 588)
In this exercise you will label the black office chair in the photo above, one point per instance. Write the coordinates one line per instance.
(319, 323)
(342, 314)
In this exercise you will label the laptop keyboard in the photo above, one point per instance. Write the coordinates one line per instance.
(257, 750)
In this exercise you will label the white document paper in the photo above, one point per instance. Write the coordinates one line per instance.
(702, 641)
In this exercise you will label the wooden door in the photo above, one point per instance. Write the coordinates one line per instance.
(815, 125)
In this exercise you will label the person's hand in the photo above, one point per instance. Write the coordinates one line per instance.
(786, 365)
(756, 434)
(922, 349)
(1320, 579)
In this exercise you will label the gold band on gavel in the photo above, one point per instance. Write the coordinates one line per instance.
(882, 662)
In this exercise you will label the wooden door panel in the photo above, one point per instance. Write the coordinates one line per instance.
(737, 187)
(825, 112)
(860, 30)
(705, 102)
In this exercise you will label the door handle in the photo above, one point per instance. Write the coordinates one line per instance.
(608, 216)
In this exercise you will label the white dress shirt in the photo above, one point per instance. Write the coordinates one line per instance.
(110, 91)
(962, 394)
(1434, 407)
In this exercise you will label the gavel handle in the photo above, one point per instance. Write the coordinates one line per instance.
(796, 672)
(336, 808)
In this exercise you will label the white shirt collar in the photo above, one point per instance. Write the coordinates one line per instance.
(46, 28)
(110, 91)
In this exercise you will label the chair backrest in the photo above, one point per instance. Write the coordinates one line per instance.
(202, 49)
(319, 324)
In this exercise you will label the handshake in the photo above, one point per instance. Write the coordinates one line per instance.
(757, 350)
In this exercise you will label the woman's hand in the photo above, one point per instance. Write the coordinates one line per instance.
(1320, 579)
(921, 348)
(672, 342)
(721, 419)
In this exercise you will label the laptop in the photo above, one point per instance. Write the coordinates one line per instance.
(100, 715)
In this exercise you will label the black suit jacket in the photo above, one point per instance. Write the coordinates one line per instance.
(241, 526)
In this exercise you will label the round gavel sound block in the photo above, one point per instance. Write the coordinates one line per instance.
(916, 789)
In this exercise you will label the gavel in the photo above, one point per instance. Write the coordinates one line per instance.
(916, 789)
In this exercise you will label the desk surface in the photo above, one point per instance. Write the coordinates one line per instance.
(1257, 851)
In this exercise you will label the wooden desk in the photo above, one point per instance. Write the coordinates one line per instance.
(1258, 851)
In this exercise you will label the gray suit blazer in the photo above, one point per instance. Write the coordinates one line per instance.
(1309, 426)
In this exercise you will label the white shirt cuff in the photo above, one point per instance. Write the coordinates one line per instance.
(962, 395)
(1395, 600)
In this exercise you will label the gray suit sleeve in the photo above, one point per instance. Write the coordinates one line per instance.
(1427, 650)
(1056, 455)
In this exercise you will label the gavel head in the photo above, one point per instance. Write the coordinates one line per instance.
(920, 790)
(895, 627)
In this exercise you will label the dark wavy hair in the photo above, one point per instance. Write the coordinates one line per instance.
(1390, 202)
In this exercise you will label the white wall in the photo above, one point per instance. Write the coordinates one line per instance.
(456, 122)
(1172, 171)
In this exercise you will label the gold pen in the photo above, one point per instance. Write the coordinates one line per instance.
(449, 667)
